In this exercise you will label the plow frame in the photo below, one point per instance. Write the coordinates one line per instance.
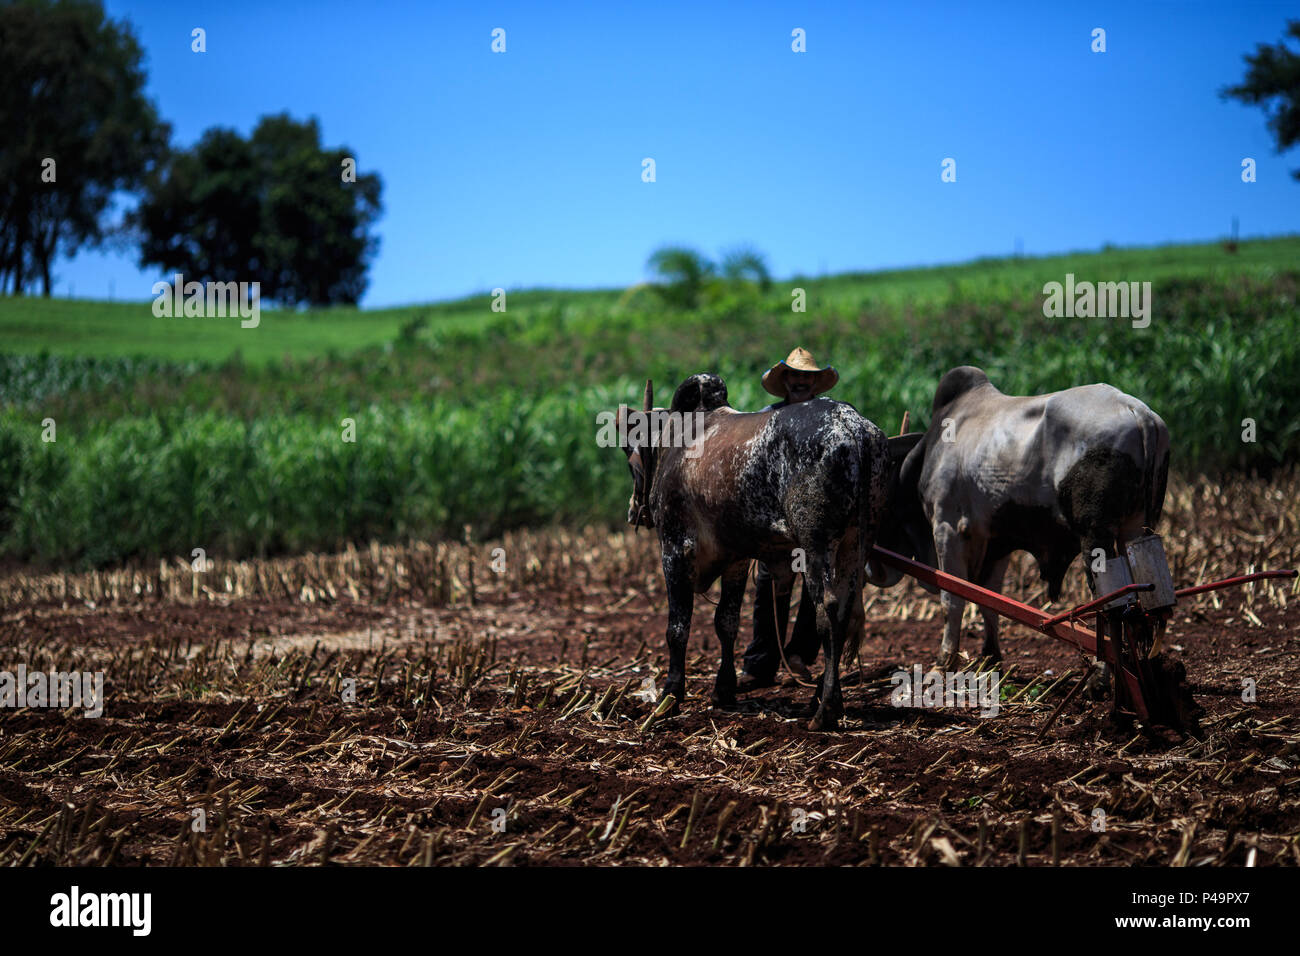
(1136, 677)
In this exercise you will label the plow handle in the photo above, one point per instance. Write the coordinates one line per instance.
(1233, 582)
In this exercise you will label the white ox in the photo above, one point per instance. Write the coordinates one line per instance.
(1055, 475)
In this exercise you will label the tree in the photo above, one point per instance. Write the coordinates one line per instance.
(686, 277)
(746, 264)
(76, 129)
(1273, 81)
(274, 208)
(683, 272)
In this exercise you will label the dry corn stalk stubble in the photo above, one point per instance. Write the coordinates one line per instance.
(528, 702)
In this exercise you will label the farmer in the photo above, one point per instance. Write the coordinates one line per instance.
(795, 380)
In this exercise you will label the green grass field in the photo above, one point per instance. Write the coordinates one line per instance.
(175, 433)
(122, 329)
(130, 329)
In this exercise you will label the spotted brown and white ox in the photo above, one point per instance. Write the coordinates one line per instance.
(1055, 475)
(810, 476)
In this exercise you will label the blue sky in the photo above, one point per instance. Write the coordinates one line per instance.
(523, 169)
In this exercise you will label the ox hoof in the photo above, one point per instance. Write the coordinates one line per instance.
(724, 687)
(824, 721)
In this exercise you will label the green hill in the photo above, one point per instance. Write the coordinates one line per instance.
(130, 329)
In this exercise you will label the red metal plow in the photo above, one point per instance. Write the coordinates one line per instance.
(1147, 686)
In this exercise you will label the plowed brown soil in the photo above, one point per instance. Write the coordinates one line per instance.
(411, 717)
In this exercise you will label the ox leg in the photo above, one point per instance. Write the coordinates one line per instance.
(681, 603)
(726, 621)
(992, 580)
(951, 552)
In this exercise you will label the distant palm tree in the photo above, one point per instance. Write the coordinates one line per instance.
(684, 273)
(745, 263)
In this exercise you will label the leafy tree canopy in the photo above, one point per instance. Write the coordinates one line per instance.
(275, 208)
(76, 128)
(1273, 82)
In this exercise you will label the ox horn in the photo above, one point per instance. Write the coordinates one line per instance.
(647, 453)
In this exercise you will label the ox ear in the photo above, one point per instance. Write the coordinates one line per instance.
(687, 397)
(901, 445)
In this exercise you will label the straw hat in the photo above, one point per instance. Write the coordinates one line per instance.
(800, 360)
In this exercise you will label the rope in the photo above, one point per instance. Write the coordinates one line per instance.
(776, 630)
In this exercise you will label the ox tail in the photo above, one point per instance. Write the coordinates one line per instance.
(873, 492)
(1155, 468)
(857, 623)
(850, 616)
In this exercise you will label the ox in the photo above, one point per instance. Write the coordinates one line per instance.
(811, 476)
(1055, 475)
